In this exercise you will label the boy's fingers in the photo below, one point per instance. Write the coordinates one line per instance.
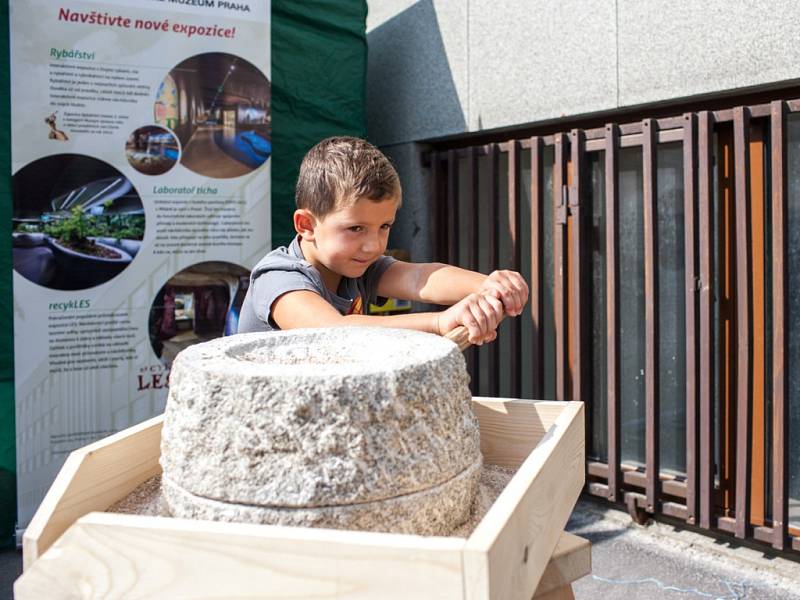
(472, 330)
(489, 314)
(496, 308)
(480, 316)
(495, 305)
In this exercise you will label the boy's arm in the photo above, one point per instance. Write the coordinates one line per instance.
(480, 314)
(438, 283)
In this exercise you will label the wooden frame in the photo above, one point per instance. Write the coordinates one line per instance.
(70, 551)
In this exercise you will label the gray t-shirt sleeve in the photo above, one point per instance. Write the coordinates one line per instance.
(372, 277)
(271, 285)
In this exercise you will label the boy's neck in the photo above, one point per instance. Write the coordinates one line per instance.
(329, 278)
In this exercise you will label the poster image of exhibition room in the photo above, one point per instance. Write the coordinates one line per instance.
(219, 107)
(77, 222)
(197, 304)
(152, 150)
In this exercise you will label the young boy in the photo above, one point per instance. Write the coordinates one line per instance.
(347, 196)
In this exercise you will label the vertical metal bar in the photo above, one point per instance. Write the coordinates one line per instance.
(725, 321)
(434, 209)
(452, 207)
(780, 421)
(515, 262)
(612, 314)
(537, 270)
(577, 303)
(652, 408)
(705, 182)
(690, 242)
(756, 219)
(741, 135)
(472, 208)
(559, 263)
(494, 251)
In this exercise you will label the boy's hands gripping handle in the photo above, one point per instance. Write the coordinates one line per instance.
(460, 334)
(474, 320)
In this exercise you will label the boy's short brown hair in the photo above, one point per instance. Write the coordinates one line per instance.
(340, 170)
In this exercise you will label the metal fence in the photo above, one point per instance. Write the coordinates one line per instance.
(658, 254)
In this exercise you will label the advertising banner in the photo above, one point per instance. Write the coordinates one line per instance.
(141, 144)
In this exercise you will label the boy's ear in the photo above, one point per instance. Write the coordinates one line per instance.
(304, 223)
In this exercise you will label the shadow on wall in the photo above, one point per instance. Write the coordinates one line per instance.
(411, 93)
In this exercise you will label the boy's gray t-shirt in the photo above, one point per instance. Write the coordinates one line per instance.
(286, 270)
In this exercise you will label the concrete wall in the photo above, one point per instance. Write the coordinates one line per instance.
(445, 67)
(441, 68)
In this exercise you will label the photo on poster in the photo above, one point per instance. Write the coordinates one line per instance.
(197, 304)
(77, 222)
(152, 150)
(218, 105)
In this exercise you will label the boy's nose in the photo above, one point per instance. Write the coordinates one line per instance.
(371, 244)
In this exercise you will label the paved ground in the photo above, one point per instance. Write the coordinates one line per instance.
(632, 562)
(660, 561)
(10, 569)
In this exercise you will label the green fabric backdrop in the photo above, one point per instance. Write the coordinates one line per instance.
(319, 67)
(319, 59)
(8, 450)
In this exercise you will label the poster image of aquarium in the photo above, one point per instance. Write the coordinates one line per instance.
(197, 304)
(152, 150)
(77, 222)
(219, 107)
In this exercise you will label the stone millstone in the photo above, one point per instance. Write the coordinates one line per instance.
(355, 428)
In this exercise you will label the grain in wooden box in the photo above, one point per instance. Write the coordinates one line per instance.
(69, 551)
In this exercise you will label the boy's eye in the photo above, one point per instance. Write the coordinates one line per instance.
(356, 229)
(386, 226)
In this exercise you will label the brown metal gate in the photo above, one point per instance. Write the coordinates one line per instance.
(657, 253)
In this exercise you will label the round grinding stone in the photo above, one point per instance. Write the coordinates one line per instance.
(362, 428)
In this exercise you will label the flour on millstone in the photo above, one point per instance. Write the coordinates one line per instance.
(351, 428)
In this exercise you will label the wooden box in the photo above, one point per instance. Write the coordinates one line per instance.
(72, 552)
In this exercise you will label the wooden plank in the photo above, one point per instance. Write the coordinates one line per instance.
(705, 196)
(93, 478)
(675, 510)
(120, 555)
(651, 374)
(780, 422)
(511, 429)
(562, 593)
(108, 555)
(741, 133)
(571, 560)
(633, 478)
(507, 553)
(690, 242)
(612, 314)
(537, 266)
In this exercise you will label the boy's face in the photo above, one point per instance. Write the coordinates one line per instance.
(348, 240)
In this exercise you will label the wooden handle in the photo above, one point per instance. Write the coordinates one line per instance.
(460, 336)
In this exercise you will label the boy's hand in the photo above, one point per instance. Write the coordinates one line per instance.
(479, 313)
(510, 287)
